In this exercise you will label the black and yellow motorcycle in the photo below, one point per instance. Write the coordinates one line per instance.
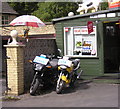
(68, 73)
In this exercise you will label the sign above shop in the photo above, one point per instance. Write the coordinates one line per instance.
(101, 15)
(119, 14)
(111, 15)
(105, 15)
(114, 4)
(77, 31)
(90, 29)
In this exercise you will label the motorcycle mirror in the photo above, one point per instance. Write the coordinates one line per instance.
(59, 52)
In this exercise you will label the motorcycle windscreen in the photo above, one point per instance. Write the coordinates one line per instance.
(65, 62)
(41, 60)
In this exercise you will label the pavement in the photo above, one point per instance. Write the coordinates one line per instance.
(2, 86)
(2, 89)
(85, 94)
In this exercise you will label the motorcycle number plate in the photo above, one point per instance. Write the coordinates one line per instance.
(65, 62)
(40, 60)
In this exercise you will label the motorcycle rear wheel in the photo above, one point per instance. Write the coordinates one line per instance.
(34, 87)
(60, 86)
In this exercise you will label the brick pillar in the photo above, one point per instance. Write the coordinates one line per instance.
(15, 69)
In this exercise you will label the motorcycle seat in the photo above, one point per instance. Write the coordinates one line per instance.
(75, 62)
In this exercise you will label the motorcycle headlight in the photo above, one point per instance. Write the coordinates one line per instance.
(38, 67)
(62, 68)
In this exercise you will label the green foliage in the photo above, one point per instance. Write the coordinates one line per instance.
(49, 10)
(104, 5)
(24, 8)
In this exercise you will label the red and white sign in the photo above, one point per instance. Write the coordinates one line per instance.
(90, 26)
(114, 3)
(77, 31)
(83, 30)
(66, 29)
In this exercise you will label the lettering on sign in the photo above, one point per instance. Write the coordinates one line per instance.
(77, 31)
(84, 30)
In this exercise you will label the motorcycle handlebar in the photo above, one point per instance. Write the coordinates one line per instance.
(53, 56)
(30, 61)
(78, 66)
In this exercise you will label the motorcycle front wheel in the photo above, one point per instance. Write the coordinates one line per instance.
(34, 87)
(74, 78)
(60, 86)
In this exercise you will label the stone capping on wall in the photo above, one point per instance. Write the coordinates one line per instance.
(47, 29)
(9, 46)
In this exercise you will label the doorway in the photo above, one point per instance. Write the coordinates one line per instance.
(111, 47)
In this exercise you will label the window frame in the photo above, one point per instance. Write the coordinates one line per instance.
(4, 20)
(73, 40)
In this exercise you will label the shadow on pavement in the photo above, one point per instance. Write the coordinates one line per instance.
(79, 85)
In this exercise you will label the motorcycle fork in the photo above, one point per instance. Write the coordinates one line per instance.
(59, 77)
(64, 77)
(35, 76)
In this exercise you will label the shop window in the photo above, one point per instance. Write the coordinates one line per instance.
(5, 20)
(77, 42)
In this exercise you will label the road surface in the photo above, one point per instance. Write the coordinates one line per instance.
(87, 94)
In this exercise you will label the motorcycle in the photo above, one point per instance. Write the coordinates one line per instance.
(67, 73)
(45, 68)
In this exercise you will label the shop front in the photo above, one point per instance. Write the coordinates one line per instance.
(112, 47)
(92, 37)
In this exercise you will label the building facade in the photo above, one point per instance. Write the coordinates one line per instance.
(7, 14)
(92, 37)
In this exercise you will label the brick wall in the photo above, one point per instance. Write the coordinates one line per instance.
(15, 68)
(0, 54)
